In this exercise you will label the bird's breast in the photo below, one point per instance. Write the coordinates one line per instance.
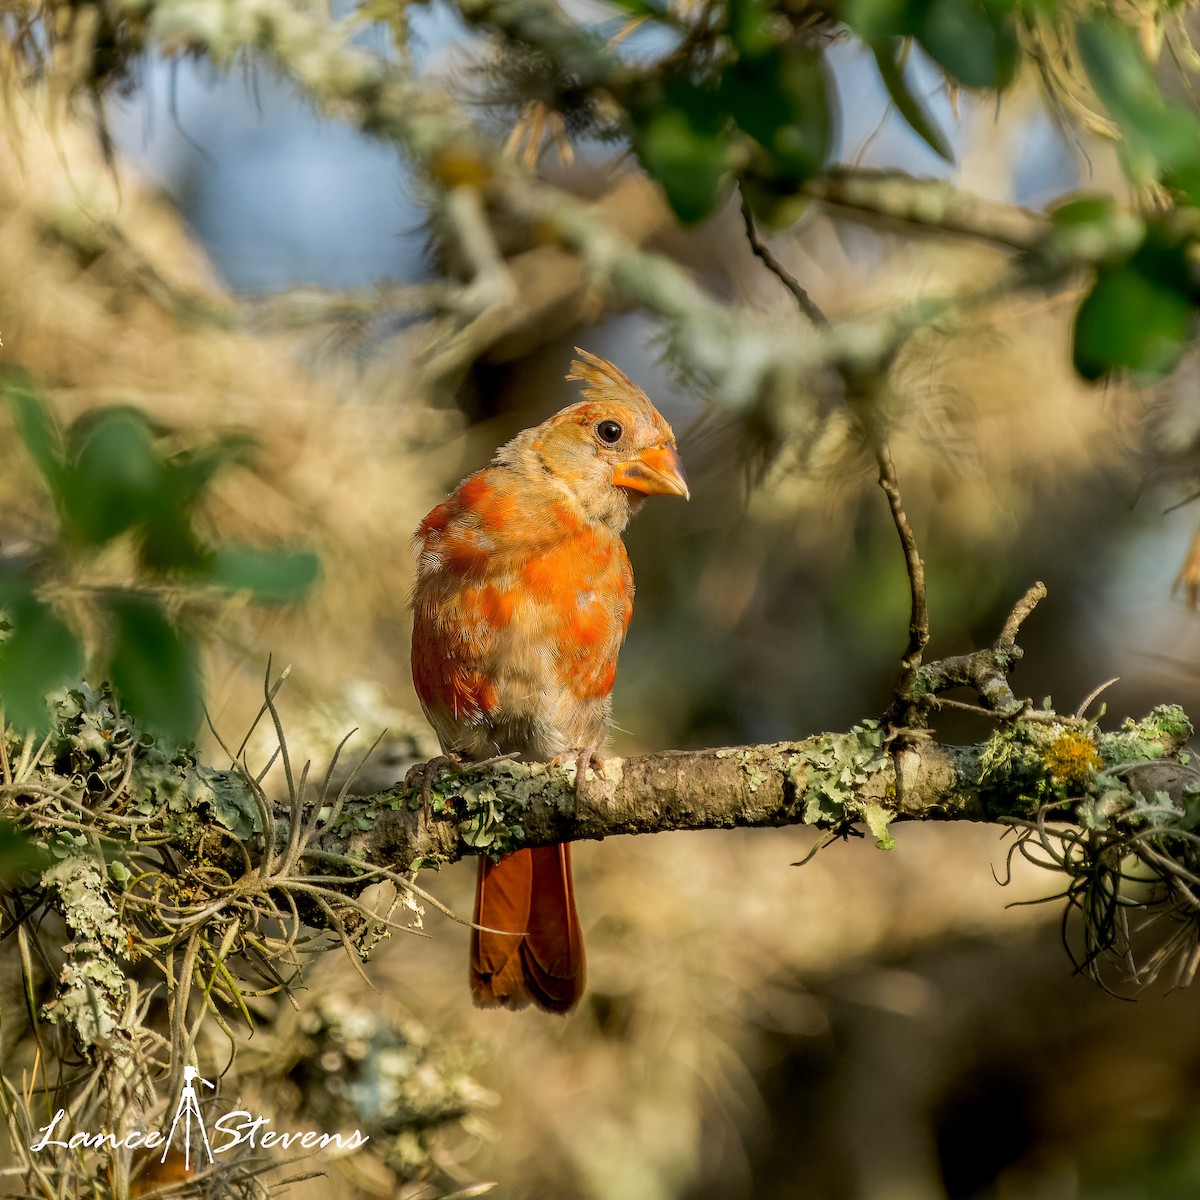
(520, 646)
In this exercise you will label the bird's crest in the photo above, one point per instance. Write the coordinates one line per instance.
(604, 380)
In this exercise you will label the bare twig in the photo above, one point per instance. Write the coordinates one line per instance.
(1006, 643)
(905, 714)
(1094, 695)
(764, 253)
(918, 622)
(986, 671)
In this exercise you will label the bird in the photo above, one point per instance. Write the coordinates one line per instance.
(523, 595)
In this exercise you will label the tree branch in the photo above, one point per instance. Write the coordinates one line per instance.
(891, 197)
(828, 781)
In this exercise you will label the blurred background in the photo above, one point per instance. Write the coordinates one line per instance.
(871, 1026)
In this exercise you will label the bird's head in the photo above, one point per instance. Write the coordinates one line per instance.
(612, 449)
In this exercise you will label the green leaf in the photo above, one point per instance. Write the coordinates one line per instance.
(18, 853)
(751, 26)
(115, 479)
(1134, 317)
(36, 427)
(38, 654)
(1123, 78)
(191, 471)
(1161, 139)
(972, 41)
(635, 8)
(1093, 208)
(154, 668)
(275, 576)
(169, 541)
(877, 21)
(780, 99)
(688, 160)
(887, 59)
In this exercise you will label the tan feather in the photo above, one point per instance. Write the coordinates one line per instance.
(604, 380)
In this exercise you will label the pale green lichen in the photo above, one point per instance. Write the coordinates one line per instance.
(95, 747)
(487, 826)
(97, 764)
(488, 809)
(376, 1068)
(831, 774)
(878, 818)
(1165, 729)
(91, 986)
(491, 808)
(755, 777)
(1025, 764)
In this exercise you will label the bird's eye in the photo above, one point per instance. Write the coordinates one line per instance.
(609, 431)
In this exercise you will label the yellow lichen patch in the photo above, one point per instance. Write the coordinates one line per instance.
(1072, 759)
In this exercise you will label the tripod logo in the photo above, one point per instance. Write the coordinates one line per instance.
(239, 1128)
(187, 1108)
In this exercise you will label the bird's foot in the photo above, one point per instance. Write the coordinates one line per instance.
(427, 772)
(584, 758)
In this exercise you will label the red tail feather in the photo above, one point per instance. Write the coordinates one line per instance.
(539, 959)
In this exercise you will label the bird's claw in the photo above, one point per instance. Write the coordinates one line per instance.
(587, 757)
(427, 772)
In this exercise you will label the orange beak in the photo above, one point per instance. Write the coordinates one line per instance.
(656, 471)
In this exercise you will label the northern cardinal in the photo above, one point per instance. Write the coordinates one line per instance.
(523, 595)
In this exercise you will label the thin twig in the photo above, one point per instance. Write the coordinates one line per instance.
(918, 622)
(904, 713)
(763, 252)
(1094, 694)
(1032, 598)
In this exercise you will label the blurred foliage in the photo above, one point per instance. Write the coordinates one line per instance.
(113, 477)
(716, 973)
(760, 115)
(343, 1056)
(758, 112)
(18, 853)
(743, 98)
